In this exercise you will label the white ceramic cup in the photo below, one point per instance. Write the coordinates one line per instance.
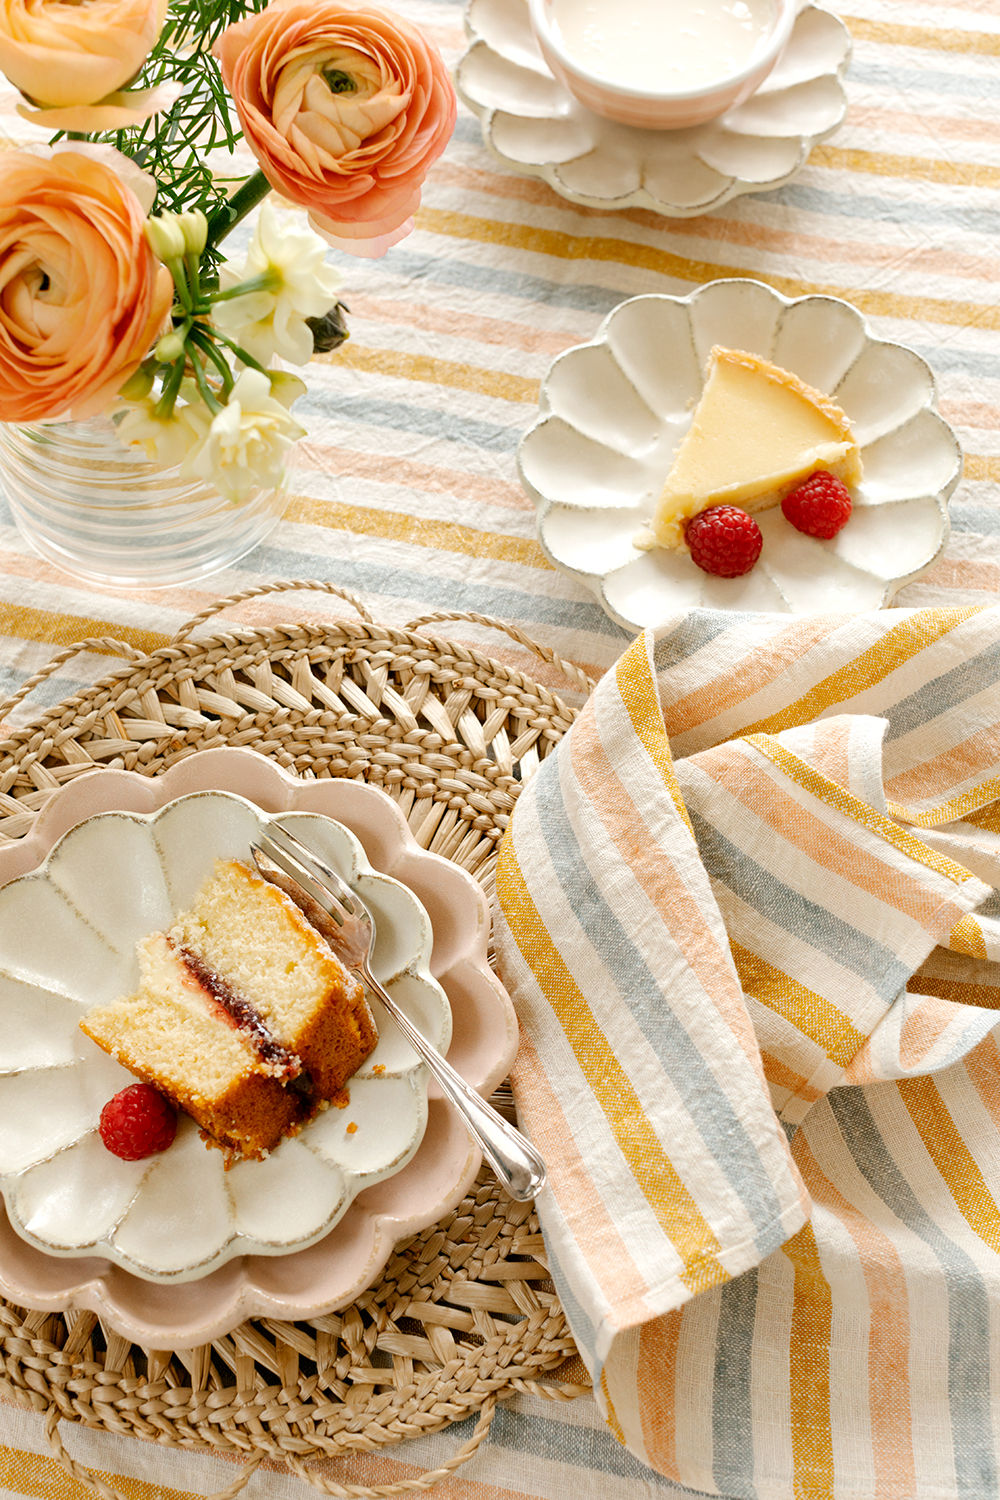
(673, 107)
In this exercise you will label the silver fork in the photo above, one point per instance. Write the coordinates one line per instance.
(321, 893)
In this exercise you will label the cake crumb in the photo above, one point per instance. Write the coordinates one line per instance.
(352, 1128)
(378, 1069)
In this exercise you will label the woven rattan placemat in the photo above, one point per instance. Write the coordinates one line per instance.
(464, 1313)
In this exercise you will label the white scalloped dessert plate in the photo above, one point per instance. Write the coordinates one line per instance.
(613, 411)
(174, 1247)
(534, 125)
(68, 935)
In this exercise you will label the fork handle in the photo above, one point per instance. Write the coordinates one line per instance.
(513, 1158)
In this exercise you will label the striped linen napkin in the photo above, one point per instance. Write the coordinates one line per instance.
(748, 914)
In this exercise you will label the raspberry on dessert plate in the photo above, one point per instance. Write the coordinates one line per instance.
(724, 541)
(819, 506)
(138, 1122)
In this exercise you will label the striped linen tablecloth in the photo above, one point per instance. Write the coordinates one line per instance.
(406, 493)
(750, 925)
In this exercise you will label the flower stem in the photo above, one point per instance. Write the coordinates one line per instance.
(265, 282)
(171, 385)
(177, 270)
(243, 201)
(204, 389)
(203, 341)
(238, 350)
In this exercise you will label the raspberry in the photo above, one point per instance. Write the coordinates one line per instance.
(819, 506)
(724, 540)
(137, 1122)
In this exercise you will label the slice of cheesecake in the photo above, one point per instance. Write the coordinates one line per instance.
(756, 431)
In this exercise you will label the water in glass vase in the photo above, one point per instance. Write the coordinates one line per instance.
(102, 512)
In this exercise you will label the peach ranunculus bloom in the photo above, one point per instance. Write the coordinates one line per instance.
(345, 107)
(82, 297)
(117, 112)
(66, 58)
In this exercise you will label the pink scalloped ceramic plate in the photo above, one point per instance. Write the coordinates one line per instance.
(332, 1271)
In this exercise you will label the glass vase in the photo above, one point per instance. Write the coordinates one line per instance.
(104, 513)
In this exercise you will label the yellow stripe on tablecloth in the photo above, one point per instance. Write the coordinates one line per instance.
(983, 466)
(845, 802)
(953, 808)
(888, 653)
(809, 1369)
(417, 531)
(42, 1478)
(907, 169)
(943, 1142)
(967, 937)
(799, 244)
(640, 699)
(610, 1415)
(676, 1211)
(39, 1476)
(938, 39)
(23, 623)
(888, 1342)
(801, 1007)
(531, 238)
(399, 365)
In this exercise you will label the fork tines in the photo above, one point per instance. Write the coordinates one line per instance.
(307, 870)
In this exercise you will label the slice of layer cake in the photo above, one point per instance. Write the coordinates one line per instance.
(244, 1017)
(756, 431)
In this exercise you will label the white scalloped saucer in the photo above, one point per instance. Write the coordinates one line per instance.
(533, 125)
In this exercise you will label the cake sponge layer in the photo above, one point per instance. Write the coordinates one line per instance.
(173, 1034)
(250, 932)
(244, 1017)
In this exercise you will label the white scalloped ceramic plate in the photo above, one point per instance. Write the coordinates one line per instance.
(614, 410)
(68, 935)
(533, 125)
(333, 1271)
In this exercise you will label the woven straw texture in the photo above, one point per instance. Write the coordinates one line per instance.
(464, 1313)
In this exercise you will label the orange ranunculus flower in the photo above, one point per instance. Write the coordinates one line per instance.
(345, 107)
(61, 54)
(116, 111)
(82, 297)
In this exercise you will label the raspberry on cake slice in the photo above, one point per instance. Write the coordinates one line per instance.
(756, 431)
(244, 1017)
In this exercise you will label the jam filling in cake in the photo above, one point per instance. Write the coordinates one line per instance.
(283, 1063)
(244, 1017)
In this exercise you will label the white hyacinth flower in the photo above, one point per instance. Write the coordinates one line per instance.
(271, 323)
(245, 446)
(166, 440)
